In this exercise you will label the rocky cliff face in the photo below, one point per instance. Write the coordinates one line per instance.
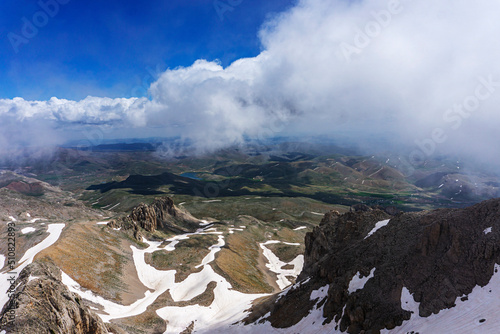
(438, 256)
(45, 305)
(162, 214)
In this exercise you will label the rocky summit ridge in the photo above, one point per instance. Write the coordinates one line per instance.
(161, 215)
(365, 260)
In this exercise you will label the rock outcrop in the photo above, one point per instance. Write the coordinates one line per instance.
(438, 256)
(43, 304)
(161, 215)
(29, 189)
(25, 185)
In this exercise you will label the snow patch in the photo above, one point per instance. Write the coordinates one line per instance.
(480, 313)
(291, 243)
(275, 265)
(321, 293)
(27, 230)
(358, 282)
(54, 231)
(488, 230)
(408, 303)
(213, 250)
(378, 226)
(300, 228)
(204, 222)
(228, 305)
(231, 230)
(311, 324)
(114, 206)
(102, 223)
(32, 278)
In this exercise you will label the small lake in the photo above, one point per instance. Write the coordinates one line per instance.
(191, 175)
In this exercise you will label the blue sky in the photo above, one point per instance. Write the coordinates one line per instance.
(422, 75)
(114, 48)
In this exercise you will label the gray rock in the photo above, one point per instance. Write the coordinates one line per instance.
(161, 215)
(43, 304)
(438, 256)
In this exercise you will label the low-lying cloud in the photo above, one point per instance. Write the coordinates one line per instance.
(424, 75)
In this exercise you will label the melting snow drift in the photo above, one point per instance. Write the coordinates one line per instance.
(479, 314)
(378, 226)
(358, 283)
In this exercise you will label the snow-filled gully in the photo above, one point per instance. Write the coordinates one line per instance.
(275, 264)
(227, 307)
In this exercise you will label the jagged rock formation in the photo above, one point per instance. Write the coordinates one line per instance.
(438, 256)
(45, 305)
(162, 214)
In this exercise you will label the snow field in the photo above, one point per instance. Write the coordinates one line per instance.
(27, 230)
(227, 307)
(275, 264)
(479, 314)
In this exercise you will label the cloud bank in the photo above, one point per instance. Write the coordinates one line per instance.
(422, 75)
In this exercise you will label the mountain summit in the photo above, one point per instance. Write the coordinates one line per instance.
(366, 272)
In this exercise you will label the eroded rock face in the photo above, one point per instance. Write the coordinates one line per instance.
(154, 216)
(45, 305)
(162, 214)
(438, 256)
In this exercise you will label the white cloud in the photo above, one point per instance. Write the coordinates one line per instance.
(354, 69)
(89, 110)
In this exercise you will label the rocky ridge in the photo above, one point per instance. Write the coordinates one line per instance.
(438, 256)
(43, 304)
(160, 215)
